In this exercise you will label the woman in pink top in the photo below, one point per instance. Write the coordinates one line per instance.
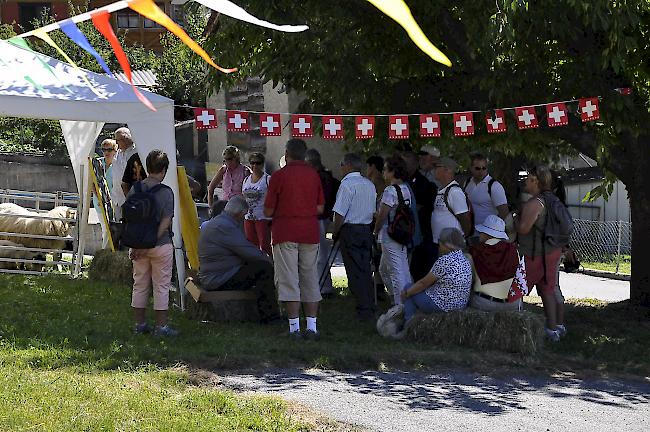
(230, 176)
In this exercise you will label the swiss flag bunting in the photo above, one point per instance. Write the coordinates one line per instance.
(589, 109)
(270, 124)
(364, 127)
(463, 124)
(398, 127)
(302, 126)
(496, 122)
(556, 114)
(333, 127)
(205, 118)
(237, 121)
(526, 117)
(429, 125)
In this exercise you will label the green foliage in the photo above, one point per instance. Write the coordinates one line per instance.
(19, 135)
(6, 31)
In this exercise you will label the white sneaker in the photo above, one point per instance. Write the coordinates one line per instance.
(552, 335)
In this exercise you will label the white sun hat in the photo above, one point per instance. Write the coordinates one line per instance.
(493, 226)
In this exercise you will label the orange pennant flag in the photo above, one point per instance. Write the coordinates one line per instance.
(102, 24)
(149, 9)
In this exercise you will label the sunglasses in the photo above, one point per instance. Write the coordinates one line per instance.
(479, 168)
(256, 162)
(107, 150)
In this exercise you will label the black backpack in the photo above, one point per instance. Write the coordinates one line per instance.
(141, 218)
(470, 208)
(402, 227)
(559, 223)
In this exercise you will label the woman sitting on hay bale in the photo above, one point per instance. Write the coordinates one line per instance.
(447, 286)
(495, 261)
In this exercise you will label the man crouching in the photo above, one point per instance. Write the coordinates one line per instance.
(229, 262)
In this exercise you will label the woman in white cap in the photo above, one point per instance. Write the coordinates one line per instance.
(495, 261)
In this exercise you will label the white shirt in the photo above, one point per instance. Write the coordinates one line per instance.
(390, 199)
(119, 165)
(255, 193)
(482, 204)
(441, 217)
(356, 199)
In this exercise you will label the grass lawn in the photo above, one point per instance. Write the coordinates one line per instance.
(625, 266)
(67, 349)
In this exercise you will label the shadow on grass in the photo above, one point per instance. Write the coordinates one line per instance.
(52, 322)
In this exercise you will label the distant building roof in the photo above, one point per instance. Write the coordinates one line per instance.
(141, 78)
(583, 175)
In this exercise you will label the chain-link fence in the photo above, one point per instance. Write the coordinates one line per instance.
(609, 243)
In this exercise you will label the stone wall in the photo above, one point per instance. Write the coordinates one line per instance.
(35, 174)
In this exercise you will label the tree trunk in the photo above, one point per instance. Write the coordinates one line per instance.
(639, 195)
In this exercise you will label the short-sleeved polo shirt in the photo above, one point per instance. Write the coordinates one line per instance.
(441, 217)
(294, 192)
(483, 204)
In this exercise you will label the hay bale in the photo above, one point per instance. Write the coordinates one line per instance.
(514, 332)
(113, 267)
(222, 310)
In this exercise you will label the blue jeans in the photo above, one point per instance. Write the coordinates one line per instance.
(419, 301)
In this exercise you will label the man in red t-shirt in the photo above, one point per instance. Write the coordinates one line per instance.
(294, 200)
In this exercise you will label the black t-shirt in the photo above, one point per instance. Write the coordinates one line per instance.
(425, 195)
(134, 171)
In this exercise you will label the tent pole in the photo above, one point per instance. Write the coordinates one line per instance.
(85, 208)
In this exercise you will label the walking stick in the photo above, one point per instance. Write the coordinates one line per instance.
(330, 262)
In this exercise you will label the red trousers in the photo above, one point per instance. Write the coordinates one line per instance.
(258, 232)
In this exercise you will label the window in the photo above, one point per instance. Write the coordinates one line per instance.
(148, 24)
(128, 19)
(28, 12)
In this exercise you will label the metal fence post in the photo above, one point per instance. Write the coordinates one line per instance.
(618, 246)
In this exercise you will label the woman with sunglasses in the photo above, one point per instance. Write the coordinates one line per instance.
(230, 176)
(256, 225)
(109, 148)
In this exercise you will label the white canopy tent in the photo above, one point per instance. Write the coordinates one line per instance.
(29, 89)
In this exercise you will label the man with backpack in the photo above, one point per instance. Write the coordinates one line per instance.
(451, 208)
(330, 188)
(544, 228)
(488, 197)
(148, 212)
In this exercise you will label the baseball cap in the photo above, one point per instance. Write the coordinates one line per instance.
(429, 150)
(447, 163)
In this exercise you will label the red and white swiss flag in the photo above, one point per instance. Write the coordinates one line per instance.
(429, 125)
(463, 123)
(526, 117)
(205, 118)
(270, 124)
(496, 121)
(589, 109)
(556, 114)
(398, 127)
(364, 127)
(237, 121)
(302, 126)
(333, 127)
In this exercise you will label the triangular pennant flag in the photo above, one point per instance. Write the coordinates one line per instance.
(364, 127)
(102, 24)
(148, 9)
(41, 34)
(237, 121)
(72, 31)
(333, 127)
(557, 114)
(22, 43)
(270, 124)
(429, 125)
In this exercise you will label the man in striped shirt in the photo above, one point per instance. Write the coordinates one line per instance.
(353, 211)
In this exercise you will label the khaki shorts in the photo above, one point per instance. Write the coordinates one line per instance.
(296, 273)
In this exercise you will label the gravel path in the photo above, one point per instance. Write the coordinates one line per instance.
(450, 402)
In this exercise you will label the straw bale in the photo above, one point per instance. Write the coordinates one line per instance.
(512, 331)
(113, 267)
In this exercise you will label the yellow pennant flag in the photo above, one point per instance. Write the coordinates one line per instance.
(41, 34)
(148, 9)
(400, 12)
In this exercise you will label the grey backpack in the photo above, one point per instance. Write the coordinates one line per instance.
(559, 223)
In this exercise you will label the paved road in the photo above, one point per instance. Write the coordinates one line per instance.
(450, 402)
(574, 285)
